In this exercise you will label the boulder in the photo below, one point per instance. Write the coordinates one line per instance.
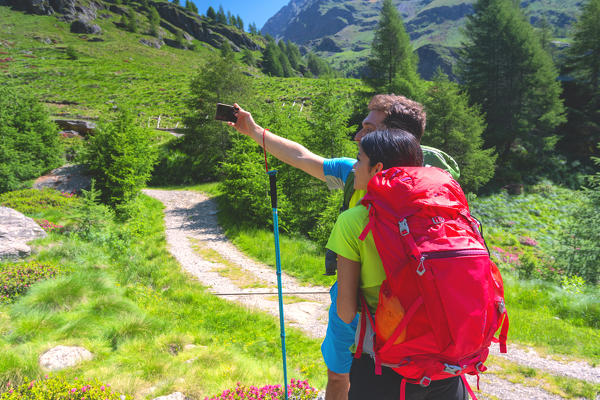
(69, 178)
(157, 44)
(62, 357)
(173, 396)
(15, 231)
(85, 26)
(81, 126)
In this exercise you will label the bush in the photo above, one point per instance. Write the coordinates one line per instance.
(120, 157)
(297, 390)
(302, 198)
(16, 278)
(579, 253)
(30, 143)
(30, 201)
(59, 388)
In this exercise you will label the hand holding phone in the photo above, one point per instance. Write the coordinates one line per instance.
(226, 112)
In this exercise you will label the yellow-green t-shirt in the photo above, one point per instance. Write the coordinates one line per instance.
(345, 242)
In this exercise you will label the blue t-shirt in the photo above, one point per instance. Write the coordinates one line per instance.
(336, 171)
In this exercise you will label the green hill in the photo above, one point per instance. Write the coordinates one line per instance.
(82, 75)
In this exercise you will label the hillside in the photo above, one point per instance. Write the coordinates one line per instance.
(342, 31)
(81, 75)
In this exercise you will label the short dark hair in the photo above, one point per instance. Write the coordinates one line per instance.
(393, 148)
(401, 113)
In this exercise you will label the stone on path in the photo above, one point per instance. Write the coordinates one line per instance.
(173, 396)
(15, 231)
(61, 357)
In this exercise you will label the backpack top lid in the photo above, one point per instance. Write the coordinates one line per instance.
(402, 191)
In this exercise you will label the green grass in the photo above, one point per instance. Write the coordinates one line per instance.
(562, 386)
(147, 323)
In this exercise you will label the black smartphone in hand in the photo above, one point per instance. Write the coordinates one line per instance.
(225, 112)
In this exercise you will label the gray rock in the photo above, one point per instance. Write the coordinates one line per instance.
(85, 26)
(68, 178)
(62, 357)
(173, 396)
(15, 231)
(157, 44)
(81, 126)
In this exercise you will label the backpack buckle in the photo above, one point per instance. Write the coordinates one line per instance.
(425, 381)
(403, 226)
(437, 220)
(480, 367)
(452, 369)
(500, 305)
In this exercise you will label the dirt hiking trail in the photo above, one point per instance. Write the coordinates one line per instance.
(197, 241)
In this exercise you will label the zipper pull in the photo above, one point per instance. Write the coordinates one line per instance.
(421, 267)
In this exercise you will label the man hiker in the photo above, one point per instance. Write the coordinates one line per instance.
(385, 111)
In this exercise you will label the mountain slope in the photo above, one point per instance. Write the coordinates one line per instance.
(347, 26)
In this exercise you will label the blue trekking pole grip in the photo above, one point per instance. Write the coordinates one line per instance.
(273, 184)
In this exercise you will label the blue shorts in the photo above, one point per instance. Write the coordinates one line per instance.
(338, 339)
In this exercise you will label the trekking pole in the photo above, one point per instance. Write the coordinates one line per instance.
(273, 182)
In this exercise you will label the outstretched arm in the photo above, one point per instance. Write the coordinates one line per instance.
(289, 152)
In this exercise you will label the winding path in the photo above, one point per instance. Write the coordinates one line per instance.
(199, 244)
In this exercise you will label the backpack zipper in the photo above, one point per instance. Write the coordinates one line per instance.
(447, 254)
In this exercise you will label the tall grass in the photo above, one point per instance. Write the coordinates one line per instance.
(151, 328)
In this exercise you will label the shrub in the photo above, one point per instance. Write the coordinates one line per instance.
(92, 219)
(120, 157)
(72, 53)
(59, 388)
(579, 253)
(29, 201)
(49, 226)
(30, 144)
(297, 390)
(16, 278)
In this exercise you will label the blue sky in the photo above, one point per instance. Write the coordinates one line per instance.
(257, 11)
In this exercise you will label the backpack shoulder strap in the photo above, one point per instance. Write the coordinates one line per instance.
(348, 191)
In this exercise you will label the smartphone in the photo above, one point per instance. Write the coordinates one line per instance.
(225, 112)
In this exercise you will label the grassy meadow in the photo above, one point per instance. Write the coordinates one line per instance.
(120, 294)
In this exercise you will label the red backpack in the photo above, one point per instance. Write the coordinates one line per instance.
(443, 298)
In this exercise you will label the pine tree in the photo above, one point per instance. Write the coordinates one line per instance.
(456, 128)
(248, 57)
(293, 54)
(585, 52)
(506, 71)
(271, 61)
(221, 17)
(180, 39)
(210, 13)
(132, 25)
(226, 51)
(318, 67)
(252, 28)
(230, 20)
(240, 23)
(176, 2)
(392, 64)
(154, 21)
(208, 141)
(582, 95)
